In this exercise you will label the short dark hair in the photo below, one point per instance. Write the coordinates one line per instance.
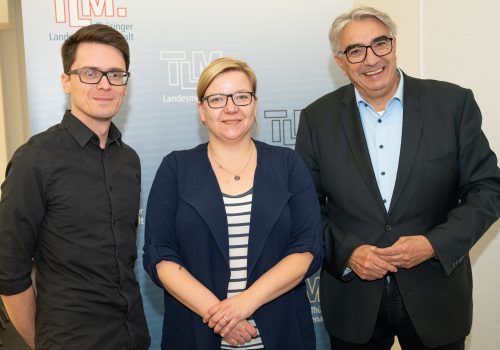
(94, 33)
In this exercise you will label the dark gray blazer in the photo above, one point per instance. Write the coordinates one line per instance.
(447, 188)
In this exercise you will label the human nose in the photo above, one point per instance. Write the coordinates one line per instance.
(230, 105)
(104, 83)
(371, 58)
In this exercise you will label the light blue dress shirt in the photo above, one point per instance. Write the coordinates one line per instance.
(383, 132)
(383, 136)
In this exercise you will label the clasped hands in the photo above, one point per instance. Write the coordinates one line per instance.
(372, 263)
(229, 319)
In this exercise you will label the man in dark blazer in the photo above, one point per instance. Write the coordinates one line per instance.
(407, 184)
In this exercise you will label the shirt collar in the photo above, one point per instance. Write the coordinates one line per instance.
(398, 95)
(83, 135)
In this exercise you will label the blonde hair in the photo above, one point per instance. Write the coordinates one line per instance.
(222, 65)
(358, 14)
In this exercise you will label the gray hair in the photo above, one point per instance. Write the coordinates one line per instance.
(358, 14)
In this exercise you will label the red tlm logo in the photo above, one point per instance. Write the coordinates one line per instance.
(79, 13)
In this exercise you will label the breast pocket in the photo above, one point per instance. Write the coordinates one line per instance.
(441, 164)
(441, 175)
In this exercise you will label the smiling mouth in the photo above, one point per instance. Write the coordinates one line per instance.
(374, 72)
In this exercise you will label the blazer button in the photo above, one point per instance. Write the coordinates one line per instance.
(388, 228)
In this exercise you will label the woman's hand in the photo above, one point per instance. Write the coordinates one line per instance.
(225, 315)
(242, 333)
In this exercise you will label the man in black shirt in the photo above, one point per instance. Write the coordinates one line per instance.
(69, 206)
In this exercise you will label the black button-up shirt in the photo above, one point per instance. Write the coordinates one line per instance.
(72, 208)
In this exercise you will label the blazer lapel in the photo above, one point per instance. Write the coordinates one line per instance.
(413, 116)
(268, 202)
(206, 198)
(353, 128)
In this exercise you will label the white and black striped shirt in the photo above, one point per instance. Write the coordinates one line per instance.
(238, 210)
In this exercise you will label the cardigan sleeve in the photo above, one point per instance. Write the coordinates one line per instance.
(306, 235)
(160, 235)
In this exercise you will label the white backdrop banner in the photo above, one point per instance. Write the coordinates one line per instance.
(284, 41)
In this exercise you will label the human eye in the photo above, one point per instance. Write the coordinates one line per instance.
(355, 51)
(116, 76)
(242, 96)
(89, 73)
(216, 99)
(380, 44)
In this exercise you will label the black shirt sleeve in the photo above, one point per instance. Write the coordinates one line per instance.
(22, 207)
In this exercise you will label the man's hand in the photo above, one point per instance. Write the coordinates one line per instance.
(368, 265)
(407, 252)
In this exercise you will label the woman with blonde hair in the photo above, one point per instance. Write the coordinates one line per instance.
(232, 229)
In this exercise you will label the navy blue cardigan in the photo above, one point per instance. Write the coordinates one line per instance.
(186, 223)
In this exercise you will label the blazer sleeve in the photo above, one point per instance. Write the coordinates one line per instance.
(339, 245)
(306, 235)
(160, 241)
(479, 190)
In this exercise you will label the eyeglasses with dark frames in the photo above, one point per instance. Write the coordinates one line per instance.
(220, 100)
(94, 76)
(357, 53)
